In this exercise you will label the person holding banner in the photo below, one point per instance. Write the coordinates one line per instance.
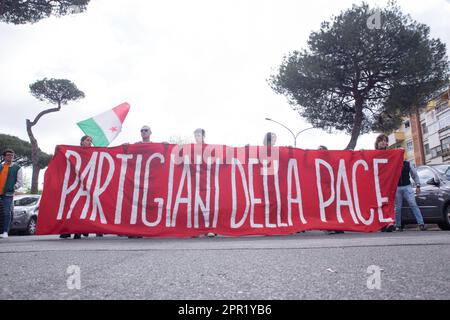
(199, 136)
(404, 189)
(270, 139)
(146, 132)
(328, 232)
(381, 143)
(85, 141)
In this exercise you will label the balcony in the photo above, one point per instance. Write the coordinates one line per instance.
(444, 152)
(396, 137)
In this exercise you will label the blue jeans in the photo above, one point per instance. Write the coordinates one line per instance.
(407, 193)
(7, 203)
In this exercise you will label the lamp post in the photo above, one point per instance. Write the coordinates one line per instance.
(294, 135)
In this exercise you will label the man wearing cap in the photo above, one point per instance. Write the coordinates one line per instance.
(10, 180)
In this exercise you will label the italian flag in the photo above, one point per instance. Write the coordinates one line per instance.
(105, 127)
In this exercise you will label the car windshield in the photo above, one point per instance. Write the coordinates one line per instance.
(27, 201)
(444, 170)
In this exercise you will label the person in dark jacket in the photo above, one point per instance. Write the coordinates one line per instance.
(405, 191)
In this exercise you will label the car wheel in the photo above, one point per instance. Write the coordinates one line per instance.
(445, 225)
(31, 229)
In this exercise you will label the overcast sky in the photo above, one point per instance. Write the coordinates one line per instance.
(180, 64)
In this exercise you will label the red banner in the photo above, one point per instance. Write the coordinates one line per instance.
(159, 190)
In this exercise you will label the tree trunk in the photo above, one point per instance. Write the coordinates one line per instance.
(35, 152)
(34, 158)
(357, 124)
(35, 180)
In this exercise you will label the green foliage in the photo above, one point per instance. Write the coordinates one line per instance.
(55, 91)
(21, 12)
(357, 79)
(22, 150)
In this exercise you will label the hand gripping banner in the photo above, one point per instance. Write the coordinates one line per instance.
(164, 190)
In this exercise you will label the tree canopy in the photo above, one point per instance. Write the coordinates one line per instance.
(357, 78)
(22, 150)
(31, 11)
(55, 91)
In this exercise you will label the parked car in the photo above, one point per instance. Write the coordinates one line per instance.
(434, 197)
(443, 168)
(26, 209)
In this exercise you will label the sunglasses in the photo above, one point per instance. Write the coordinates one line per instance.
(144, 130)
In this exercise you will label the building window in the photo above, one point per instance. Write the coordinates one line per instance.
(409, 146)
(424, 128)
(441, 105)
(445, 145)
(435, 152)
(444, 122)
(427, 148)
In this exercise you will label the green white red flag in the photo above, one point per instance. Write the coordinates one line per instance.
(105, 127)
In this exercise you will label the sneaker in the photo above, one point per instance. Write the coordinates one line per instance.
(422, 227)
(389, 228)
(398, 229)
(210, 234)
(5, 235)
(64, 236)
(330, 232)
(77, 236)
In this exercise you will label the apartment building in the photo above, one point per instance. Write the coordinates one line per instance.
(425, 135)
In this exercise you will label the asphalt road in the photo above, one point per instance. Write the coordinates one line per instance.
(312, 265)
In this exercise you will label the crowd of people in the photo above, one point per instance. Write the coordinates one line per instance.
(11, 179)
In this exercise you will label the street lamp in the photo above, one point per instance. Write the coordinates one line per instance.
(294, 135)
